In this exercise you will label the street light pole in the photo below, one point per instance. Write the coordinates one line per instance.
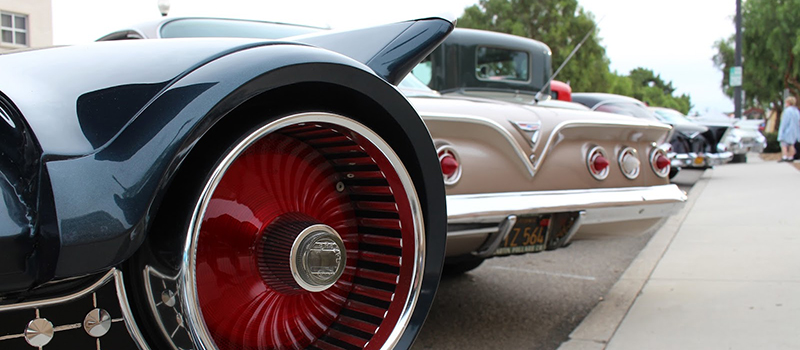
(737, 91)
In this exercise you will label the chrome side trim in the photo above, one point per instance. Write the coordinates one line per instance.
(130, 323)
(471, 232)
(63, 299)
(494, 207)
(491, 124)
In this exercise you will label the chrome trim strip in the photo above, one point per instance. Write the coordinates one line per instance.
(200, 334)
(494, 207)
(5, 116)
(554, 134)
(472, 232)
(492, 124)
(63, 299)
(130, 322)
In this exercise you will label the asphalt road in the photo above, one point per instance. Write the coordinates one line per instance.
(530, 301)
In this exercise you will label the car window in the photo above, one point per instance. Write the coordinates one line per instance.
(671, 116)
(423, 71)
(624, 108)
(209, 27)
(501, 64)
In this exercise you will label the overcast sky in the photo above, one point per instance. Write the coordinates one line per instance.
(673, 38)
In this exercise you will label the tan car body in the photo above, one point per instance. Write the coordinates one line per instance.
(504, 174)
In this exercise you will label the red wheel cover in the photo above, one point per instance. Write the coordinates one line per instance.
(331, 175)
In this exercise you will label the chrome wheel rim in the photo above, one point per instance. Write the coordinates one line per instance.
(344, 308)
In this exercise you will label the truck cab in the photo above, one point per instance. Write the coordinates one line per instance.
(488, 64)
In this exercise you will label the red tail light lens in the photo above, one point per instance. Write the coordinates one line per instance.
(660, 163)
(597, 163)
(451, 166)
(600, 163)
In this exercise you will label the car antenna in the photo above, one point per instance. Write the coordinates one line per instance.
(539, 93)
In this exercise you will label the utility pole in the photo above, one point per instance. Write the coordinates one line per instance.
(737, 90)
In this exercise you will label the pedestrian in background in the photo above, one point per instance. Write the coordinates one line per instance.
(789, 130)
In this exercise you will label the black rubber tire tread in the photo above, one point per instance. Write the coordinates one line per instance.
(462, 266)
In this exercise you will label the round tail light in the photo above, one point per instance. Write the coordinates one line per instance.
(451, 166)
(597, 163)
(660, 162)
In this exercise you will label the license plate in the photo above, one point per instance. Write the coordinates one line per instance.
(528, 235)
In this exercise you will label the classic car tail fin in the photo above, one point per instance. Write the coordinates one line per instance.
(391, 50)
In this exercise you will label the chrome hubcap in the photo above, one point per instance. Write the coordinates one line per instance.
(318, 258)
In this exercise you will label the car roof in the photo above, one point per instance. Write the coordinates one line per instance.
(150, 29)
(594, 98)
(465, 36)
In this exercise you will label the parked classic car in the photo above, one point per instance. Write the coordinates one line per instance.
(692, 145)
(742, 136)
(547, 212)
(219, 194)
(526, 179)
(515, 69)
(566, 169)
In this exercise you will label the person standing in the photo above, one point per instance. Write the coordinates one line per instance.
(789, 130)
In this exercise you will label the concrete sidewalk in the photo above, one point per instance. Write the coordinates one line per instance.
(722, 274)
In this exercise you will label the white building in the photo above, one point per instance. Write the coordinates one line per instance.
(25, 24)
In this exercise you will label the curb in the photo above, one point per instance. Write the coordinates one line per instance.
(599, 326)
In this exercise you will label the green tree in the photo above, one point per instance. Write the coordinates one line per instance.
(561, 24)
(770, 51)
(650, 88)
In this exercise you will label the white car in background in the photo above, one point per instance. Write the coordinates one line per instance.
(743, 136)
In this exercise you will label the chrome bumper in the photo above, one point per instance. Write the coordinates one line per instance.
(745, 146)
(476, 219)
(699, 160)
